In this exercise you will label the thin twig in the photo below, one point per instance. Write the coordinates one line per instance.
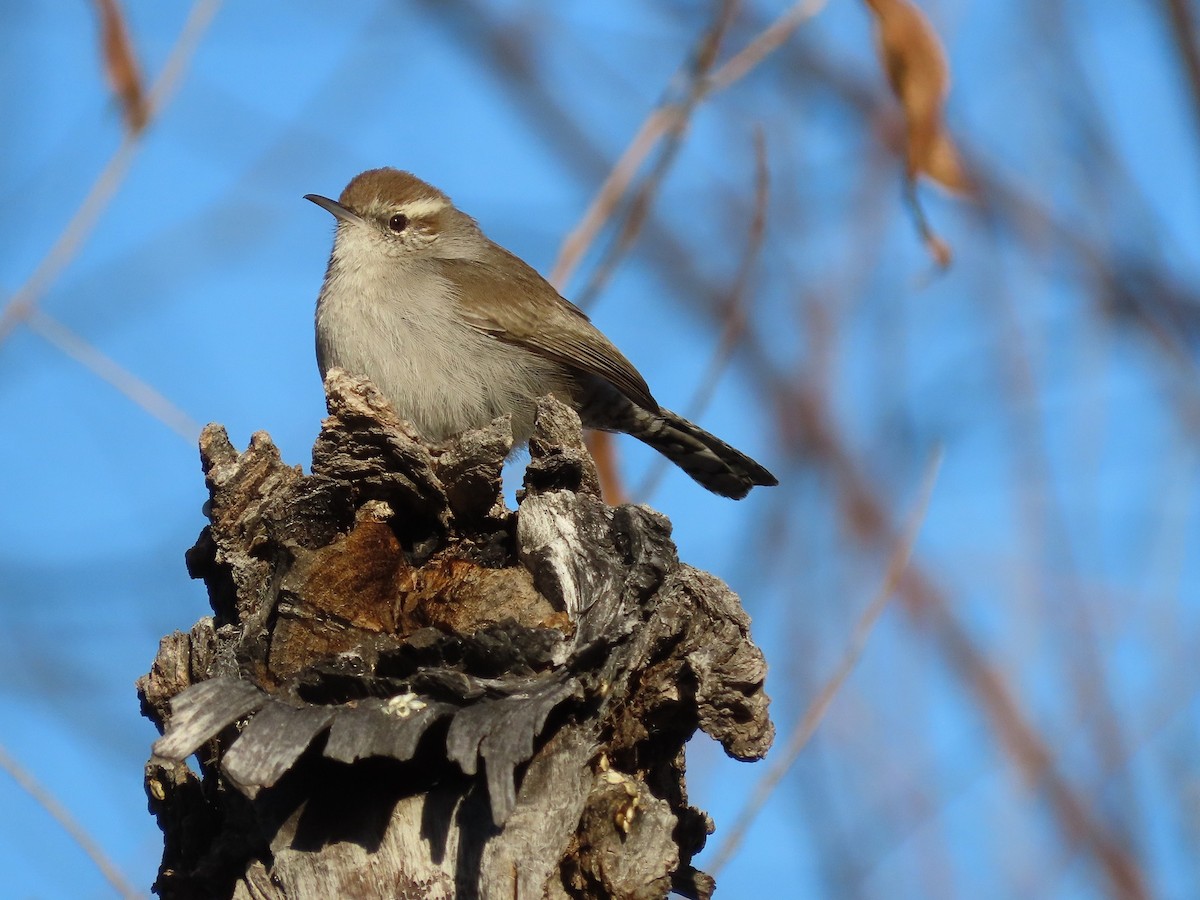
(807, 726)
(815, 432)
(140, 392)
(676, 117)
(1182, 22)
(669, 120)
(767, 42)
(938, 248)
(807, 429)
(735, 313)
(605, 203)
(28, 783)
(22, 303)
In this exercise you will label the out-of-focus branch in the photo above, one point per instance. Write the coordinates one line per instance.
(734, 314)
(807, 725)
(47, 801)
(670, 141)
(700, 87)
(605, 203)
(810, 426)
(1182, 22)
(103, 366)
(604, 451)
(669, 120)
(802, 424)
(23, 301)
(769, 40)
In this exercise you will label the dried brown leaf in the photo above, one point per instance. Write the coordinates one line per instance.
(915, 64)
(942, 164)
(120, 65)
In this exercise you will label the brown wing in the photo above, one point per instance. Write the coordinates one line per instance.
(522, 308)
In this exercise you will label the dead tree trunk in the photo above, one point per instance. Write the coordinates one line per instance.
(409, 690)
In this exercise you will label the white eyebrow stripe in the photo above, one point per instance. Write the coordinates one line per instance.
(426, 206)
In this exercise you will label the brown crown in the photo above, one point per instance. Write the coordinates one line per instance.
(389, 187)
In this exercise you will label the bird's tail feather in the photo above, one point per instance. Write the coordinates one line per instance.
(706, 458)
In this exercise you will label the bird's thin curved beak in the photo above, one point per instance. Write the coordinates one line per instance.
(332, 206)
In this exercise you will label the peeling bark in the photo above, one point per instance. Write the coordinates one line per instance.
(409, 690)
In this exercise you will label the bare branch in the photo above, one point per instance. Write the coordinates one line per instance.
(1182, 20)
(735, 314)
(137, 390)
(34, 788)
(768, 41)
(807, 725)
(21, 304)
(667, 122)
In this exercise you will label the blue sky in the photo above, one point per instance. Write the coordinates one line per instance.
(1065, 512)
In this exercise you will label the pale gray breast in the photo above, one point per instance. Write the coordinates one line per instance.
(405, 334)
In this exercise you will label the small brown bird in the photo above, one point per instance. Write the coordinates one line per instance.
(456, 331)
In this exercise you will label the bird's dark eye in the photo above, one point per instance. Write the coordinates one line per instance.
(398, 222)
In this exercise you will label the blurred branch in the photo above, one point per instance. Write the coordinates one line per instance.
(667, 120)
(604, 452)
(808, 423)
(734, 313)
(1182, 23)
(897, 562)
(1129, 288)
(677, 118)
(767, 42)
(28, 783)
(938, 249)
(575, 245)
(807, 430)
(119, 377)
(22, 303)
(700, 86)
(670, 120)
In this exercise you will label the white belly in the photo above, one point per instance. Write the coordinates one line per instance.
(440, 374)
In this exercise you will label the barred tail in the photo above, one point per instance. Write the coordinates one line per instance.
(703, 456)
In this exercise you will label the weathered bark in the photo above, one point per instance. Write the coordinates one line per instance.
(408, 690)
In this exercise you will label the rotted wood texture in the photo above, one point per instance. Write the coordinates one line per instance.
(408, 690)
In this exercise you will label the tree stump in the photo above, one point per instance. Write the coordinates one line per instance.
(409, 690)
